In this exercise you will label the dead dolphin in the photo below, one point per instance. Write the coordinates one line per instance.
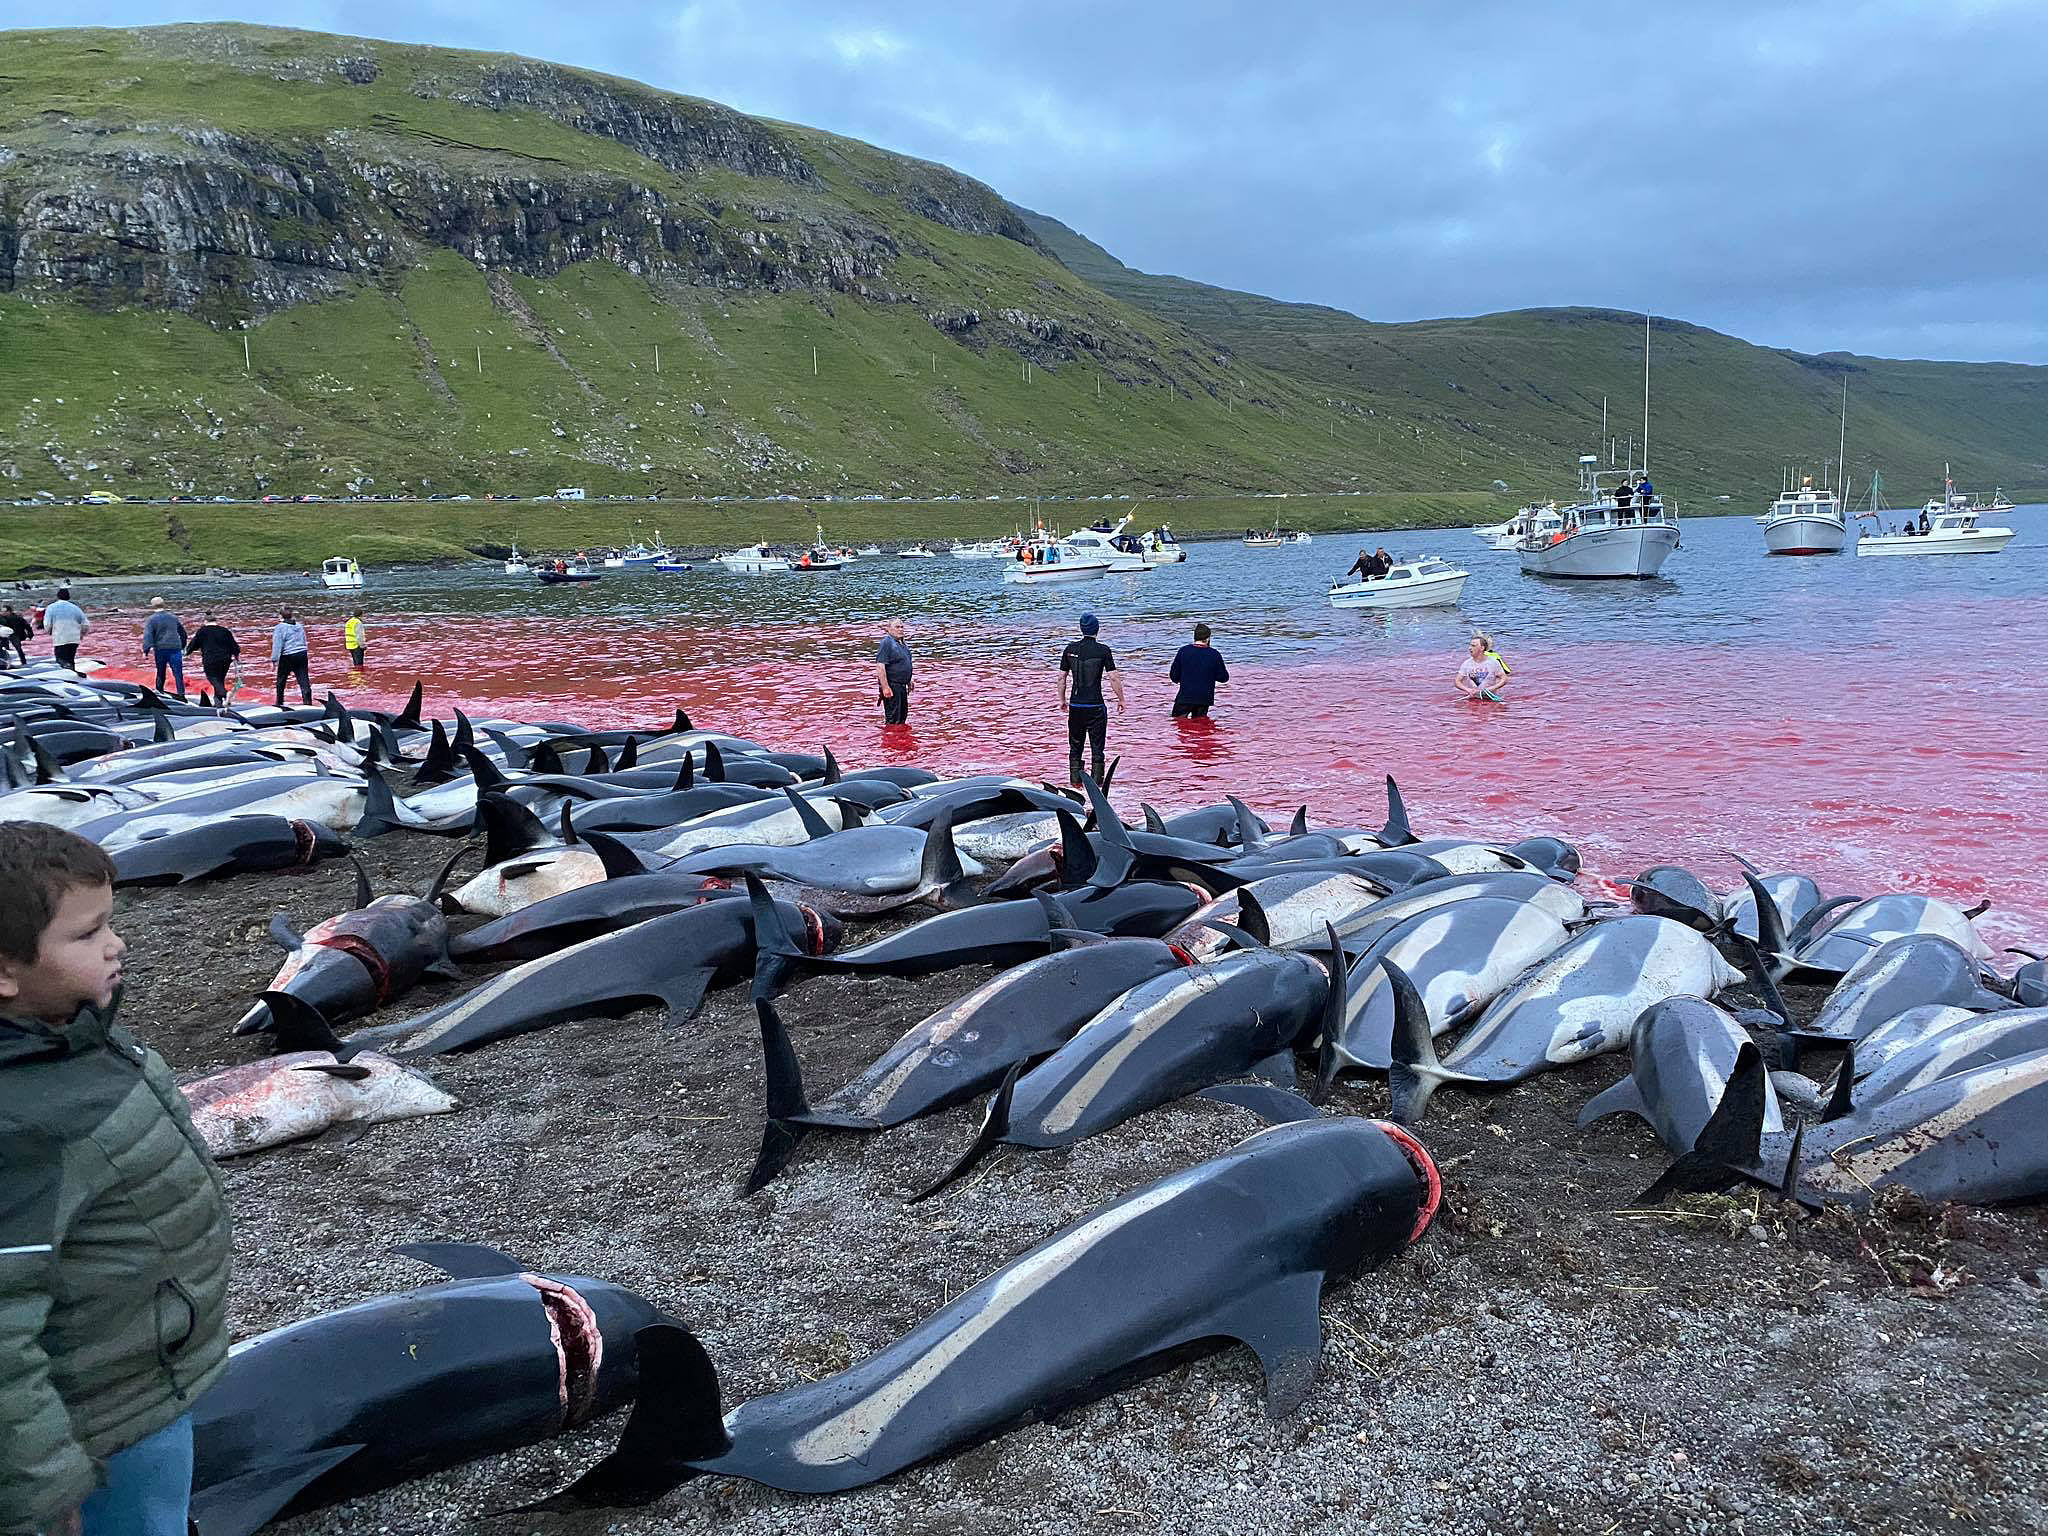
(1867, 924)
(232, 845)
(1459, 957)
(284, 1098)
(1161, 1041)
(1581, 1001)
(1235, 1248)
(902, 864)
(349, 1402)
(1902, 973)
(1286, 911)
(1667, 890)
(1793, 895)
(357, 961)
(627, 895)
(1682, 1051)
(962, 1049)
(1979, 1041)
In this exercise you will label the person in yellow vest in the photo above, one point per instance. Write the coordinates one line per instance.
(353, 635)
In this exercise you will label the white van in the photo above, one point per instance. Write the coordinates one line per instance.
(569, 493)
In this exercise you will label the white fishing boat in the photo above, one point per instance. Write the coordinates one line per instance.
(869, 551)
(1110, 545)
(515, 564)
(984, 549)
(1161, 547)
(822, 556)
(1804, 521)
(1536, 518)
(1263, 541)
(1299, 537)
(754, 560)
(1951, 530)
(612, 559)
(1041, 562)
(642, 554)
(1999, 502)
(1411, 583)
(1487, 534)
(341, 573)
(1603, 537)
(917, 552)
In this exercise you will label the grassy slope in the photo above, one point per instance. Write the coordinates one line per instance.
(133, 540)
(1527, 384)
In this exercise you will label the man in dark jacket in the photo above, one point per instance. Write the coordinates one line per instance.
(14, 632)
(163, 637)
(1198, 668)
(217, 648)
(892, 674)
(113, 1233)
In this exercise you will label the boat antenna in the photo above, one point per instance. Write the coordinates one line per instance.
(1646, 392)
(1842, 444)
(1606, 445)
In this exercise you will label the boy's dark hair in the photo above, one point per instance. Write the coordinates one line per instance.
(38, 864)
(1201, 631)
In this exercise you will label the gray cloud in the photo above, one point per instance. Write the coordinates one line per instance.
(1826, 177)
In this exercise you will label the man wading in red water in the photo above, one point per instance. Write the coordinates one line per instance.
(892, 674)
(1083, 666)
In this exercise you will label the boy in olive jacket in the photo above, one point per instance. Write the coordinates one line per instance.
(113, 1233)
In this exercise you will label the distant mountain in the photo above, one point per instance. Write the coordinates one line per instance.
(463, 271)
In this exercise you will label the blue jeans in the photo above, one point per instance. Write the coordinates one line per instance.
(148, 1491)
(175, 660)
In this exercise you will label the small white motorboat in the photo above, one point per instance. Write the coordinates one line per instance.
(754, 560)
(1044, 561)
(1299, 537)
(869, 551)
(1411, 583)
(985, 549)
(515, 564)
(613, 559)
(341, 573)
(1951, 530)
(1536, 518)
(1109, 545)
(917, 552)
(1161, 547)
(1804, 522)
(1263, 541)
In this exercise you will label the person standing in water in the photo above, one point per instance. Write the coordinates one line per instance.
(353, 638)
(1482, 674)
(163, 638)
(14, 631)
(1198, 668)
(1084, 665)
(288, 651)
(217, 648)
(66, 625)
(892, 674)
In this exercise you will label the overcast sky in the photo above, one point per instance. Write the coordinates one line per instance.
(1868, 177)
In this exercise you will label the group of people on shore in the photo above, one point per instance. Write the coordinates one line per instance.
(166, 642)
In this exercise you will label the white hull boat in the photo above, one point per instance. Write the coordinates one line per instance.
(1410, 584)
(1971, 540)
(515, 564)
(342, 574)
(916, 552)
(1103, 544)
(988, 549)
(1629, 551)
(1263, 541)
(1805, 522)
(1043, 562)
(754, 561)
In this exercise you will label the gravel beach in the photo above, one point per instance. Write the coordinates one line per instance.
(1547, 1359)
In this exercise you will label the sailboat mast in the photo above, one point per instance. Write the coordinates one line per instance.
(1842, 443)
(1646, 394)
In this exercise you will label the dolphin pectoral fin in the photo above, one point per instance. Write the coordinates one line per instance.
(443, 969)
(1624, 1098)
(1075, 938)
(1282, 1324)
(995, 1125)
(678, 1418)
(347, 1071)
(1277, 1069)
(462, 1261)
(243, 1505)
(782, 1131)
(282, 936)
(683, 995)
(1275, 1106)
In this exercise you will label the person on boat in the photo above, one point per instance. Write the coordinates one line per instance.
(14, 631)
(66, 625)
(1383, 560)
(1198, 668)
(1084, 665)
(892, 674)
(217, 649)
(1362, 567)
(1480, 674)
(163, 639)
(1645, 492)
(1925, 525)
(1623, 494)
(288, 652)
(561, 567)
(353, 637)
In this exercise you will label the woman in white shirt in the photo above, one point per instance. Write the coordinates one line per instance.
(1480, 674)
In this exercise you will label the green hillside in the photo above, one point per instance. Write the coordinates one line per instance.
(467, 272)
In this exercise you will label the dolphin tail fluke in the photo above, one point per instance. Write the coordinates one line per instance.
(1416, 1072)
(1396, 831)
(783, 1129)
(409, 717)
(1729, 1147)
(678, 1418)
(296, 1025)
(1336, 1001)
(1107, 821)
(380, 810)
(1154, 822)
(995, 1125)
(776, 950)
(1077, 855)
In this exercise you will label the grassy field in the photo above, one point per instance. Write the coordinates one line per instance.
(112, 541)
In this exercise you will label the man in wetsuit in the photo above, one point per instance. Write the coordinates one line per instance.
(1083, 665)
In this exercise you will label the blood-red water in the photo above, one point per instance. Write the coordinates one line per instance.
(1876, 736)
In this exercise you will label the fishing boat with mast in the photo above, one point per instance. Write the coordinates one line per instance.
(1806, 521)
(1613, 532)
(1948, 525)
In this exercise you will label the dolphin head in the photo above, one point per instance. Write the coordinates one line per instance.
(822, 930)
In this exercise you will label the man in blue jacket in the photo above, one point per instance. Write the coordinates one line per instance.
(1198, 668)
